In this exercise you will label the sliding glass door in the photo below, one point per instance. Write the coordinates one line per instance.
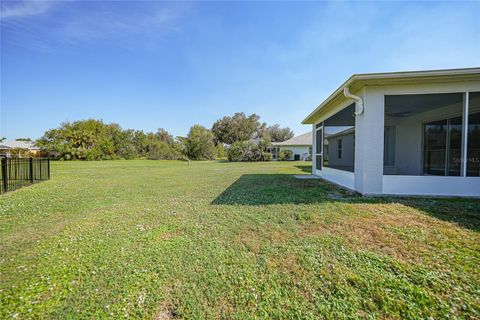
(454, 148)
(442, 147)
(435, 145)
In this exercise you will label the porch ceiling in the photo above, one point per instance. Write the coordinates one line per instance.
(399, 106)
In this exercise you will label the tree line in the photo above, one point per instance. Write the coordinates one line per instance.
(238, 137)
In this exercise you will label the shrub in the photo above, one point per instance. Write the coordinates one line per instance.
(239, 151)
(220, 151)
(285, 155)
(198, 144)
(247, 151)
(161, 150)
(266, 156)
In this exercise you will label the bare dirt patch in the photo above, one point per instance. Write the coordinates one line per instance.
(254, 239)
(163, 314)
(378, 227)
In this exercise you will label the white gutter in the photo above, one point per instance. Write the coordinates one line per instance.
(358, 100)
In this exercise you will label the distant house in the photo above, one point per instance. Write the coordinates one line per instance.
(13, 148)
(301, 147)
(401, 133)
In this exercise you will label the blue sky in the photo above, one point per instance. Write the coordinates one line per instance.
(147, 65)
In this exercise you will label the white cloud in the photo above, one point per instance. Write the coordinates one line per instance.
(111, 22)
(129, 25)
(20, 9)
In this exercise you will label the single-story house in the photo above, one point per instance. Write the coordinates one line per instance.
(9, 148)
(301, 147)
(401, 133)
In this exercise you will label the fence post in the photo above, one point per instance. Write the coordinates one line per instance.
(48, 168)
(4, 175)
(31, 169)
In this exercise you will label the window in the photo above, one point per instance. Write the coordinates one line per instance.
(274, 151)
(339, 148)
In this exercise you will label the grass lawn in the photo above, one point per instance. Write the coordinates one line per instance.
(163, 240)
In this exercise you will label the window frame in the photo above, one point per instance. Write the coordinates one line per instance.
(318, 155)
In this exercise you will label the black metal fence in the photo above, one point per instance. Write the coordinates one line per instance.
(17, 172)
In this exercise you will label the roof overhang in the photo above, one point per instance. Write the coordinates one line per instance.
(279, 144)
(358, 81)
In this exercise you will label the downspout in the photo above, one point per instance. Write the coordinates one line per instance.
(358, 100)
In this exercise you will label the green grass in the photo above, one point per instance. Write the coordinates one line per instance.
(164, 240)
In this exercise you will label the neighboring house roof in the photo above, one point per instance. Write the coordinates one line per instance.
(358, 81)
(340, 133)
(11, 144)
(301, 140)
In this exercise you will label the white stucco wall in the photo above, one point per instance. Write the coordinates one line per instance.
(300, 150)
(369, 131)
(341, 177)
(431, 185)
(347, 151)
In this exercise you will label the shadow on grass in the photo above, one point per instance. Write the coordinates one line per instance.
(307, 168)
(272, 189)
(265, 189)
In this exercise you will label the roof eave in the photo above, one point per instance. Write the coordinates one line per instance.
(390, 75)
(291, 145)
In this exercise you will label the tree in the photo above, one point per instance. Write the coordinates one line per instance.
(162, 146)
(161, 150)
(85, 139)
(140, 141)
(279, 134)
(94, 140)
(23, 139)
(239, 127)
(199, 144)
(164, 136)
(123, 142)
